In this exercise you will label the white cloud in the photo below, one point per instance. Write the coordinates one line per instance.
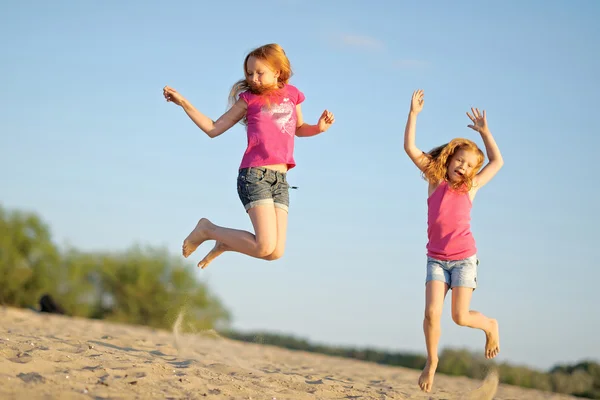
(370, 43)
(361, 41)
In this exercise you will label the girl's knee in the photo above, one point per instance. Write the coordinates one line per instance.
(433, 314)
(275, 255)
(460, 317)
(265, 248)
(265, 245)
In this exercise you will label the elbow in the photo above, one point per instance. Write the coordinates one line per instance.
(300, 130)
(213, 133)
(498, 162)
(303, 131)
(215, 129)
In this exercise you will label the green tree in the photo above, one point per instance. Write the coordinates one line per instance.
(149, 287)
(140, 286)
(28, 259)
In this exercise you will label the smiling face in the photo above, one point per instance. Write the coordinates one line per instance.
(260, 75)
(462, 164)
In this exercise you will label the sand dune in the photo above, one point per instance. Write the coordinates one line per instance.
(46, 356)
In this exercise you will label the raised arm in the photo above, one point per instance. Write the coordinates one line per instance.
(491, 148)
(207, 125)
(305, 130)
(417, 156)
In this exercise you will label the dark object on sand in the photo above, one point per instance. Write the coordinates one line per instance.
(32, 377)
(47, 304)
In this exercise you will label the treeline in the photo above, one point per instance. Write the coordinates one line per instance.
(138, 286)
(147, 286)
(581, 380)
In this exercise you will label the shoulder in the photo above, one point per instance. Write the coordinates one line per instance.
(250, 100)
(246, 95)
(294, 93)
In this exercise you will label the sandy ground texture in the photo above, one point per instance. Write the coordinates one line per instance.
(45, 356)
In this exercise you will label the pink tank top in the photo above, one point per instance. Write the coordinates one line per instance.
(449, 224)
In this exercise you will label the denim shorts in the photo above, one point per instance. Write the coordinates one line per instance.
(456, 273)
(259, 186)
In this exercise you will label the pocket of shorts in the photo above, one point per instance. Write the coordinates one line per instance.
(254, 175)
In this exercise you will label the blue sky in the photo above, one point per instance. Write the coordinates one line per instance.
(88, 142)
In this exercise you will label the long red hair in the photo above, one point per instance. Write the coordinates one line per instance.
(436, 170)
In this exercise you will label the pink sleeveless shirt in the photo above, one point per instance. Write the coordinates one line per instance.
(271, 129)
(449, 224)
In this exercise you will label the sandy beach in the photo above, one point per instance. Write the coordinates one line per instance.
(45, 356)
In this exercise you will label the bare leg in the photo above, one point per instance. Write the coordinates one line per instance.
(461, 300)
(216, 251)
(259, 245)
(282, 220)
(435, 293)
(220, 247)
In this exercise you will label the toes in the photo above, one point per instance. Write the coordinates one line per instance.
(425, 386)
(203, 263)
(491, 353)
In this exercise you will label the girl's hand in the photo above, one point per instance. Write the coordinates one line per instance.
(173, 96)
(327, 119)
(416, 104)
(479, 121)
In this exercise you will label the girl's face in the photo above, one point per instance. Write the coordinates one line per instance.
(260, 75)
(462, 164)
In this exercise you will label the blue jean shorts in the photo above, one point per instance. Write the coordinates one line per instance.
(456, 273)
(259, 186)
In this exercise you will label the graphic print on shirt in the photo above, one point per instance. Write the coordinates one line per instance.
(283, 116)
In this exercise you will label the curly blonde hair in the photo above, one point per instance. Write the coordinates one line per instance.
(274, 56)
(439, 158)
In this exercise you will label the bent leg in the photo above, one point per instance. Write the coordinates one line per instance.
(264, 194)
(221, 247)
(258, 245)
(463, 316)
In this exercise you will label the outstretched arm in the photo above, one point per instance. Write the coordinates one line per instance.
(491, 148)
(417, 156)
(304, 130)
(208, 126)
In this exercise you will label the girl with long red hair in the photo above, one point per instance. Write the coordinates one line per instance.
(454, 173)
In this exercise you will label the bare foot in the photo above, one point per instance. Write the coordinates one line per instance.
(492, 340)
(426, 378)
(196, 237)
(216, 251)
